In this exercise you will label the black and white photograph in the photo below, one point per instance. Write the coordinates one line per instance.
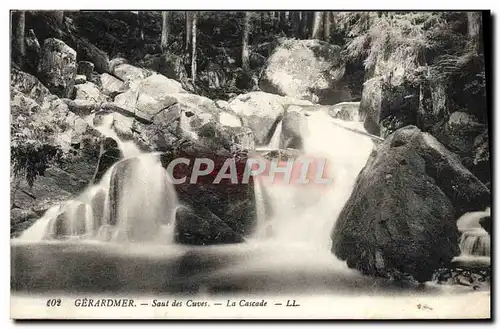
(285, 165)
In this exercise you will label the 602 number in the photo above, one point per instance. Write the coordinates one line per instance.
(54, 302)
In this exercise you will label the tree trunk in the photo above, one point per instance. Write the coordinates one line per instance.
(189, 26)
(193, 47)
(295, 16)
(316, 26)
(474, 29)
(244, 48)
(165, 29)
(282, 17)
(262, 21)
(305, 23)
(59, 16)
(18, 46)
(327, 21)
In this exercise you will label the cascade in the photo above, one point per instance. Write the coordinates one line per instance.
(306, 213)
(133, 202)
(474, 241)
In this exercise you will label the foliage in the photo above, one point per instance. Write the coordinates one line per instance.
(392, 41)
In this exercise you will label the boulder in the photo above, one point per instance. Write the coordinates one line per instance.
(233, 204)
(401, 216)
(306, 69)
(92, 54)
(57, 67)
(292, 127)
(111, 86)
(115, 62)
(214, 135)
(29, 85)
(485, 223)
(89, 91)
(86, 68)
(386, 107)
(260, 112)
(201, 227)
(230, 119)
(149, 96)
(127, 72)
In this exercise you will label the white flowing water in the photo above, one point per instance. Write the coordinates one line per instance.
(475, 241)
(306, 213)
(133, 202)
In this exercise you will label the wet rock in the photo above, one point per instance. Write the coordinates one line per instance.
(292, 127)
(57, 67)
(201, 227)
(85, 68)
(260, 111)
(109, 154)
(306, 69)
(485, 223)
(232, 203)
(402, 212)
(214, 135)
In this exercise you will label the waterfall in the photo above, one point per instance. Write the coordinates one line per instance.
(306, 213)
(128, 148)
(274, 143)
(133, 202)
(475, 241)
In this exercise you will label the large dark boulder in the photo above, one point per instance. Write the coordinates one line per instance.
(198, 226)
(401, 216)
(306, 69)
(226, 207)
